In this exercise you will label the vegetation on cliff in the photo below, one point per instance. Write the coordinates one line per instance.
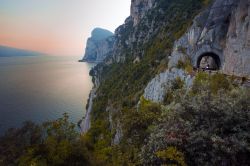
(209, 125)
(205, 125)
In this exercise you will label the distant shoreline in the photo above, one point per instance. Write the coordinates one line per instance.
(88, 61)
(6, 51)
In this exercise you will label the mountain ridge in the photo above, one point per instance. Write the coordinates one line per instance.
(98, 45)
(158, 53)
(7, 51)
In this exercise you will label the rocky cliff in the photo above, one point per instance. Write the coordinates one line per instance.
(141, 49)
(218, 37)
(158, 48)
(237, 46)
(98, 45)
(157, 87)
(220, 32)
(139, 8)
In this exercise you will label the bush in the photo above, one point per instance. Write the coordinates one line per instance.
(53, 143)
(186, 65)
(213, 82)
(171, 156)
(208, 129)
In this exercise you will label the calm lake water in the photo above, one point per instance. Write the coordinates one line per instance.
(41, 89)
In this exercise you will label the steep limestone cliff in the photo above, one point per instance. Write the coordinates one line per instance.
(149, 47)
(221, 35)
(237, 50)
(85, 125)
(221, 32)
(140, 51)
(98, 45)
(139, 8)
(157, 87)
(152, 65)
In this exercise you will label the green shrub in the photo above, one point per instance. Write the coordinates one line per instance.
(208, 129)
(213, 82)
(52, 143)
(218, 82)
(178, 83)
(171, 156)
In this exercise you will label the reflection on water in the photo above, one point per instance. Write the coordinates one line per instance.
(42, 88)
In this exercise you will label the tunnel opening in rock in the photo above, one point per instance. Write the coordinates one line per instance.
(209, 61)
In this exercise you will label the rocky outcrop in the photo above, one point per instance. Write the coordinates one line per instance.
(219, 38)
(86, 123)
(146, 24)
(207, 40)
(98, 45)
(157, 88)
(139, 29)
(115, 125)
(221, 32)
(237, 51)
(139, 8)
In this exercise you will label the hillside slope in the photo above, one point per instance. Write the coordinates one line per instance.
(173, 90)
(173, 38)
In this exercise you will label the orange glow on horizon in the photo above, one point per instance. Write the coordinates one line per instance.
(44, 45)
(58, 27)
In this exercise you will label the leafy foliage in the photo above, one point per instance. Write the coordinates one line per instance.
(197, 129)
(208, 129)
(53, 143)
(214, 82)
(15, 141)
(172, 155)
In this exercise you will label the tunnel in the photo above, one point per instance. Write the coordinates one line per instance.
(209, 61)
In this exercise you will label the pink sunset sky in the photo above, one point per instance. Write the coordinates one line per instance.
(57, 27)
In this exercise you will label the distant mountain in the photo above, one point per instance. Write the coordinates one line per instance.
(100, 34)
(98, 45)
(10, 52)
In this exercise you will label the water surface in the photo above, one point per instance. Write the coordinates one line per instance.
(42, 88)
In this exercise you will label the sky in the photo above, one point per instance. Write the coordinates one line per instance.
(57, 27)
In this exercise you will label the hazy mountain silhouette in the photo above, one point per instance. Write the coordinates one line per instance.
(100, 34)
(6, 51)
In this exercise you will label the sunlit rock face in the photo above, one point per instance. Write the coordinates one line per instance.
(98, 45)
(157, 87)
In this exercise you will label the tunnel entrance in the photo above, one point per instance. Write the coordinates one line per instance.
(209, 61)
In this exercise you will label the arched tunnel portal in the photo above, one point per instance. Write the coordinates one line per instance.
(209, 60)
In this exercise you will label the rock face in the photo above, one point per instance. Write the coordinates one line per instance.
(221, 32)
(157, 88)
(237, 51)
(219, 39)
(139, 8)
(86, 124)
(216, 37)
(98, 45)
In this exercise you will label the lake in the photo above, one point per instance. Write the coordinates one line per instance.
(42, 88)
